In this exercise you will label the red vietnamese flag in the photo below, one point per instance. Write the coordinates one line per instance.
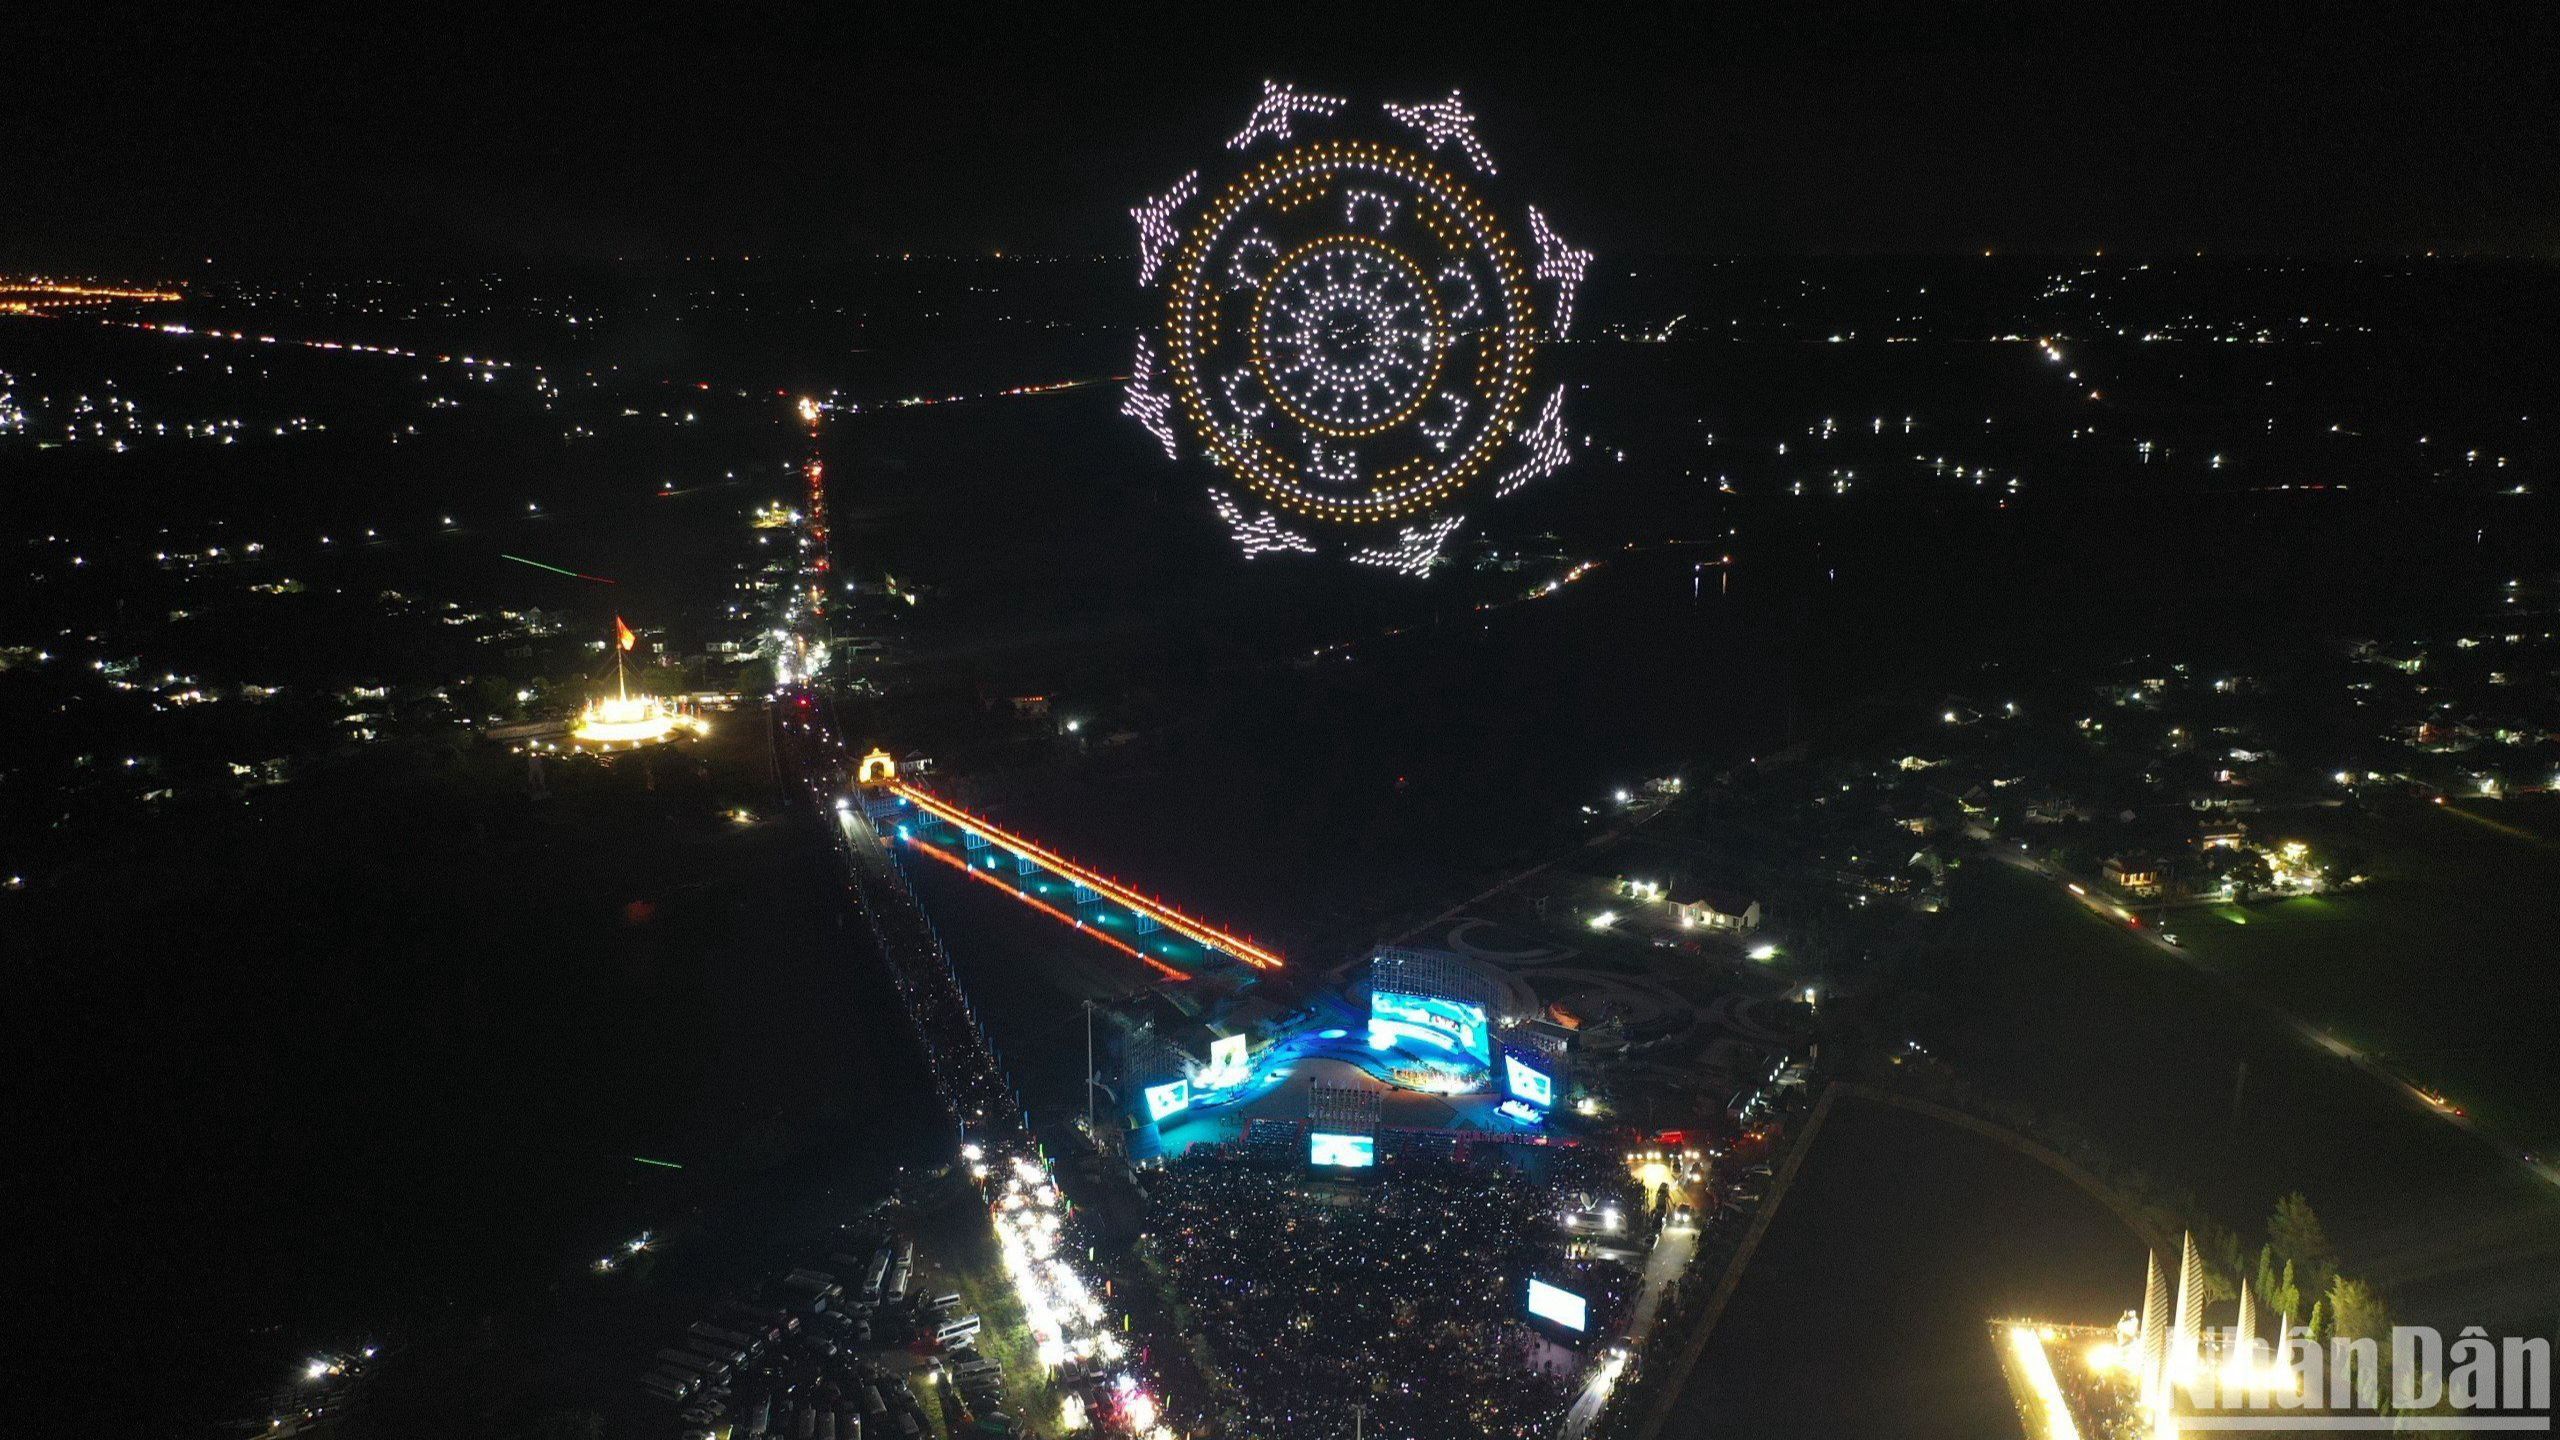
(622, 635)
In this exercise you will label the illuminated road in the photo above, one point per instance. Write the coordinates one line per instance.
(1668, 1260)
(1595, 1394)
(2303, 1030)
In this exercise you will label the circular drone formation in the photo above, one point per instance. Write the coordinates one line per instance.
(1350, 331)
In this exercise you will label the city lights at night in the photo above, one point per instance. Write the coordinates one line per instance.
(1345, 723)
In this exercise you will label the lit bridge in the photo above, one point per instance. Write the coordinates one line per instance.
(1174, 944)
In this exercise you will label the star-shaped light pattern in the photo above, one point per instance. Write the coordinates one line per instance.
(1547, 450)
(1442, 121)
(1146, 404)
(1263, 534)
(1156, 233)
(1277, 113)
(1415, 550)
(1559, 262)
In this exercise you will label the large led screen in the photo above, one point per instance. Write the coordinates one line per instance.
(1164, 1100)
(1449, 1027)
(1527, 1083)
(1342, 1152)
(1561, 1306)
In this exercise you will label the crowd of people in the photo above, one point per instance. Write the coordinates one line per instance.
(967, 1072)
(1401, 1295)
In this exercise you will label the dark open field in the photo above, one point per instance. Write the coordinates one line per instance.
(2048, 1007)
(1863, 1311)
(2443, 967)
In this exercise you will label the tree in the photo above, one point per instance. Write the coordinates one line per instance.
(2302, 1240)
(2246, 871)
(494, 695)
(2223, 1265)
(2356, 1312)
(2276, 1287)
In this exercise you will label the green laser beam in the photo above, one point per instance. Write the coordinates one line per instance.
(554, 569)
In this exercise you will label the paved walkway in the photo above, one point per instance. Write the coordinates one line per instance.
(1688, 1361)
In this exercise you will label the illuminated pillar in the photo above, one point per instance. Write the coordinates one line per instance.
(2180, 1338)
(2155, 1327)
(2190, 1330)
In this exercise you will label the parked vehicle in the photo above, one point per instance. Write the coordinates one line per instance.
(733, 1338)
(713, 1372)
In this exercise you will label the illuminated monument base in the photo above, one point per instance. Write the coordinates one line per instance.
(2161, 1371)
(628, 722)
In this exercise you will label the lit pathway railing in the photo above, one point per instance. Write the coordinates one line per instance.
(1165, 915)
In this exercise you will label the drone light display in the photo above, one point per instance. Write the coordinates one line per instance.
(1350, 330)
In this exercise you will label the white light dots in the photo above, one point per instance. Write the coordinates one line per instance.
(1349, 329)
(1442, 121)
(1377, 202)
(1156, 234)
(1415, 550)
(1455, 408)
(1347, 336)
(1547, 451)
(1262, 535)
(1277, 113)
(1254, 250)
(1241, 387)
(1474, 299)
(1559, 262)
(1333, 466)
(1348, 333)
(1146, 404)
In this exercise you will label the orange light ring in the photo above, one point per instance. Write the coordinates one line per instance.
(1507, 350)
(1169, 917)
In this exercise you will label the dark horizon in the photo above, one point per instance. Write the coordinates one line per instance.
(658, 133)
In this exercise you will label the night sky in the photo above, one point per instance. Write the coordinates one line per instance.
(356, 132)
